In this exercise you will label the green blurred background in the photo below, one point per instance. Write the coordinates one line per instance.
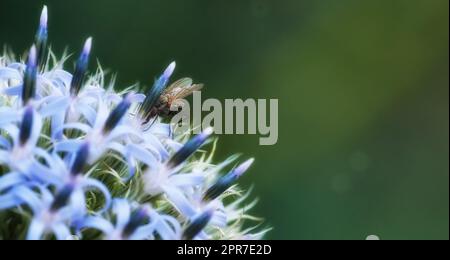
(362, 87)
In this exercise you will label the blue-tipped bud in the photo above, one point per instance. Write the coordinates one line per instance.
(42, 36)
(117, 114)
(29, 81)
(224, 183)
(87, 47)
(44, 18)
(189, 148)
(27, 125)
(62, 198)
(168, 72)
(158, 88)
(198, 224)
(81, 68)
(137, 219)
(81, 159)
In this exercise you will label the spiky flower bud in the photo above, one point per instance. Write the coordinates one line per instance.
(42, 36)
(156, 91)
(117, 114)
(81, 158)
(62, 198)
(225, 182)
(189, 148)
(29, 80)
(198, 224)
(81, 68)
(26, 125)
(137, 219)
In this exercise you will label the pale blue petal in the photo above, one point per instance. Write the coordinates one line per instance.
(59, 165)
(8, 73)
(143, 233)
(75, 126)
(17, 66)
(102, 114)
(165, 231)
(36, 129)
(97, 223)
(84, 98)
(42, 174)
(69, 146)
(36, 230)
(156, 143)
(141, 155)
(13, 91)
(57, 122)
(9, 201)
(46, 89)
(46, 195)
(88, 113)
(162, 130)
(57, 106)
(174, 225)
(187, 180)
(123, 130)
(8, 116)
(122, 209)
(174, 145)
(132, 165)
(43, 154)
(60, 78)
(4, 143)
(61, 231)
(28, 197)
(4, 157)
(10, 180)
(13, 131)
(179, 200)
(117, 147)
(152, 149)
(78, 205)
(202, 236)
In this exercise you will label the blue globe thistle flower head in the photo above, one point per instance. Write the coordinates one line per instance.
(78, 159)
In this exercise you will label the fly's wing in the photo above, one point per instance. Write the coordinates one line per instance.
(179, 84)
(181, 89)
(187, 91)
(175, 94)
